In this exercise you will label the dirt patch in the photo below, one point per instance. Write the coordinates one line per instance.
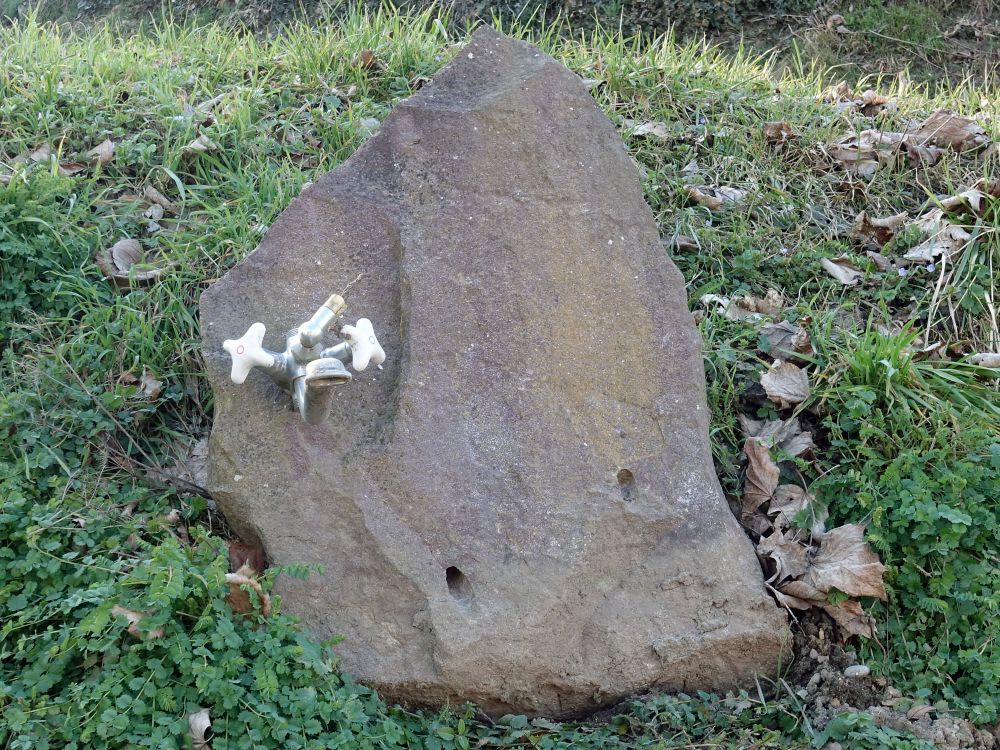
(823, 669)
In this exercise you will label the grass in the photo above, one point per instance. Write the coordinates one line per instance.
(83, 511)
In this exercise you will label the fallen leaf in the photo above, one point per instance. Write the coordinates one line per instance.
(974, 200)
(881, 262)
(762, 476)
(189, 469)
(690, 168)
(943, 238)
(842, 269)
(837, 23)
(791, 559)
(950, 131)
(786, 384)
(345, 94)
(746, 306)
(789, 500)
(837, 93)
(655, 129)
(871, 103)
(922, 156)
(123, 264)
(70, 168)
(368, 59)
(134, 618)
(239, 598)
(779, 133)
(984, 359)
(714, 198)
(880, 230)
(863, 153)
(40, 154)
(198, 725)
(786, 435)
(155, 197)
(851, 619)
(154, 212)
(685, 244)
(102, 153)
(200, 144)
(150, 387)
(847, 563)
(786, 340)
(249, 555)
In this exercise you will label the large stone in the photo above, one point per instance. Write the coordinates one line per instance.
(521, 508)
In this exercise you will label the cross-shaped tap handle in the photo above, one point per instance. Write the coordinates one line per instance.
(365, 347)
(248, 352)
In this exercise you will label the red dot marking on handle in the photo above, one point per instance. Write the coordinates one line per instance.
(240, 349)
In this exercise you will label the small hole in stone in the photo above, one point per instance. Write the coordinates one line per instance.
(626, 482)
(458, 584)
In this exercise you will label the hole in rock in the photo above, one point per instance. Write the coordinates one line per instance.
(458, 584)
(626, 481)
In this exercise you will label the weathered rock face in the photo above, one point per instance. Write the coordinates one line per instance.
(520, 509)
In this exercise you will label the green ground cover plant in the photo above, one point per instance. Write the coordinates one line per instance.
(100, 383)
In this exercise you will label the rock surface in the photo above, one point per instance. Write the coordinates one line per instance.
(521, 508)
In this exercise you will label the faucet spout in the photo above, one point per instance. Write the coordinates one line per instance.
(313, 391)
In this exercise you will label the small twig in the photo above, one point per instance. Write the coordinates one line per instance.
(348, 287)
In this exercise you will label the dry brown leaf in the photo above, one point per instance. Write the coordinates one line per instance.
(847, 563)
(863, 153)
(654, 129)
(715, 198)
(842, 269)
(871, 103)
(125, 254)
(789, 500)
(779, 133)
(851, 619)
(102, 153)
(200, 144)
(39, 154)
(239, 599)
(787, 340)
(838, 93)
(123, 264)
(950, 131)
(685, 244)
(921, 155)
(150, 387)
(368, 59)
(837, 23)
(198, 725)
(786, 435)
(880, 230)
(791, 559)
(762, 476)
(154, 212)
(134, 618)
(155, 197)
(881, 262)
(786, 384)
(70, 168)
(346, 93)
(943, 238)
(249, 555)
(974, 200)
(984, 359)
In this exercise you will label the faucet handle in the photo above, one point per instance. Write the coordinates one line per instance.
(365, 347)
(248, 352)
